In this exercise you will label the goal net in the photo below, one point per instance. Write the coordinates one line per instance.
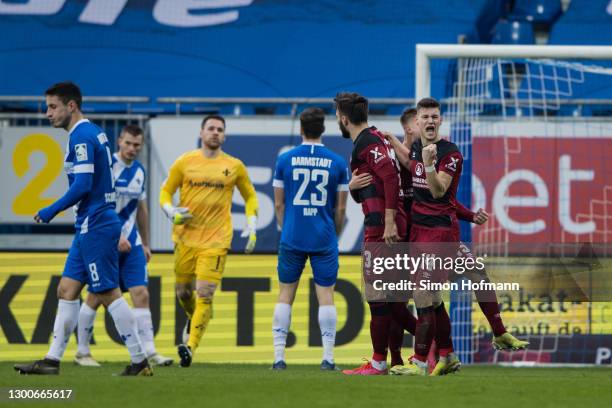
(535, 130)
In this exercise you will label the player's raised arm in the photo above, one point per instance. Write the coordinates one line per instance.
(251, 207)
(450, 165)
(402, 152)
(178, 215)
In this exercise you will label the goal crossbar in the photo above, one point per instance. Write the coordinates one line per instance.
(426, 52)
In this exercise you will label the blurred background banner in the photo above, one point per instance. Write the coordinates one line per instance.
(228, 47)
(542, 182)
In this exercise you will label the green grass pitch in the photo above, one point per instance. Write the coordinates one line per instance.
(249, 385)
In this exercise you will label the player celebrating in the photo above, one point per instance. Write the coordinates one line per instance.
(487, 299)
(93, 256)
(202, 223)
(385, 220)
(310, 193)
(129, 176)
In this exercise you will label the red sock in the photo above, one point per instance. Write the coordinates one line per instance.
(425, 330)
(396, 338)
(443, 331)
(379, 329)
(491, 312)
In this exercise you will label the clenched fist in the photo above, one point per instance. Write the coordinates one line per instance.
(430, 153)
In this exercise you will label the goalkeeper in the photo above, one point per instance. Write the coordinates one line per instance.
(202, 221)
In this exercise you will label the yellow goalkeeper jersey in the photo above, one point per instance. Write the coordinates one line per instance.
(205, 187)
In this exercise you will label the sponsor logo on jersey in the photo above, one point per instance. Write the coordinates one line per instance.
(378, 156)
(452, 165)
(206, 184)
(80, 150)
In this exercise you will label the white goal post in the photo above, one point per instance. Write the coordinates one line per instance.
(426, 52)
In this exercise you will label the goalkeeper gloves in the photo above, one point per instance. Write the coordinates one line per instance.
(178, 215)
(250, 232)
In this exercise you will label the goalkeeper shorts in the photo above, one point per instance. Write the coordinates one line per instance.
(199, 263)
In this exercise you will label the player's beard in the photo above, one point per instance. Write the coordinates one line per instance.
(212, 144)
(345, 133)
(63, 123)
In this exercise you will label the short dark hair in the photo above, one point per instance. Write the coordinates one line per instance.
(66, 92)
(353, 105)
(132, 129)
(428, 103)
(407, 114)
(214, 116)
(312, 122)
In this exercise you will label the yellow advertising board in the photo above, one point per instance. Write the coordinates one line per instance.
(240, 330)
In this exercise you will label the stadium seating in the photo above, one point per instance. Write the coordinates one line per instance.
(538, 11)
(513, 32)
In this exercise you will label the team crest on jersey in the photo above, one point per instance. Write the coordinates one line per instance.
(80, 150)
(378, 156)
(226, 172)
(419, 169)
(452, 165)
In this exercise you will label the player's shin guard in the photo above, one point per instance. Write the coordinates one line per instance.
(327, 322)
(425, 330)
(87, 317)
(188, 305)
(379, 331)
(126, 327)
(65, 322)
(199, 321)
(443, 331)
(144, 323)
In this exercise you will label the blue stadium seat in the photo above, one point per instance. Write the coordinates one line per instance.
(537, 11)
(513, 32)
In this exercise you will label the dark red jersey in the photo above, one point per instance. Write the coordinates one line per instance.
(373, 154)
(406, 179)
(427, 210)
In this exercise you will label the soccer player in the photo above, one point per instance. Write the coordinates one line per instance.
(310, 193)
(202, 230)
(385, 220)
(129, 176)
(93, 256)
(487, 299)
(435, 167)
(402, 318)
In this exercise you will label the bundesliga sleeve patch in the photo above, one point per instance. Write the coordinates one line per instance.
(80, 150)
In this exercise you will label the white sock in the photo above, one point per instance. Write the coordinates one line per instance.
(87, 317)
(65, 323)
(379, 365)
(280, 328)
(126, 327)
(145, 329)
(327, 322)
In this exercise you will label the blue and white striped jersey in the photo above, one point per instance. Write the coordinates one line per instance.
(88, 151)
(130, 188)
